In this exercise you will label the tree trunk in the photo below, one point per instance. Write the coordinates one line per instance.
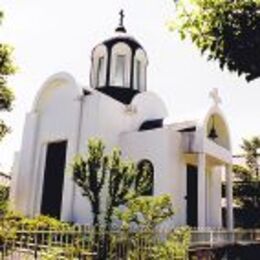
(96, 224)
(109, 218)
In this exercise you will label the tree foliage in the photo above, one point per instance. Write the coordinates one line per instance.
(225, 31)
(96, 169)
(247, 186)
(89, 174)
(146, 212)
(7, 68)
(247, 197)
(251, 148)
(125, 182)
(241, 172)
(176, 246)
(4, 196)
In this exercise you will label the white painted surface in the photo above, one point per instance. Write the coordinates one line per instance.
(163, 148)
(229, 197)
(97, 53)
(25, 165)
(61, 112)
(202, 190)
(14, 181)
(213, 197)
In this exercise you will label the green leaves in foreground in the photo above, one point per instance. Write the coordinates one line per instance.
(147, 212)
(107, 180)
(225, 31)
(175, 246)
(7, 68)
(4, 129)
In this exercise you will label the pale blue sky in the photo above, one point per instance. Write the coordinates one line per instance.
(58, 35)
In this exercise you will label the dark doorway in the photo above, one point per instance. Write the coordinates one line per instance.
(53, 179)
(192, 195)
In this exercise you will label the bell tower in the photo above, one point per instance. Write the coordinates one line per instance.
(119, 62)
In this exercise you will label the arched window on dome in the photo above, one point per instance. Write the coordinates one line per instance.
(120, 65)
(138, 77)
(100, 70)
(120, 70)
(145, 171)
(99, 66)
(140, 65)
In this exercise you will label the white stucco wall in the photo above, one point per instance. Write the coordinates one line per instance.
(106, 118)
(53, 118)
(58, 121)
(22, 181)
(14, 181)
(163, 148)
(61, 112)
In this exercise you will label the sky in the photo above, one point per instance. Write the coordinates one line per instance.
(50, 36)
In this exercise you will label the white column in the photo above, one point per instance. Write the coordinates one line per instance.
(229, 197)
(208, 195)
(26, 176)
(202, 190)
(14, 182)
(76, 145)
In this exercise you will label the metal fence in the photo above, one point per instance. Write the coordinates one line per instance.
(213, 238)
(81, 242)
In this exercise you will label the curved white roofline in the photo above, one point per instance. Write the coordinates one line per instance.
(65, 76)
(150, 100)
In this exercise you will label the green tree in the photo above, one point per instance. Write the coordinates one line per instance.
(242, 173)
(93, 171)
(251, 149)
(89, 174)
(146, 212)
(176, 246)
(125, 182)
(223, 30)
(7, 68)
(247, 186)
(4, 197)
(247, 197)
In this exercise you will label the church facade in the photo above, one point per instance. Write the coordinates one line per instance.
(188, 158)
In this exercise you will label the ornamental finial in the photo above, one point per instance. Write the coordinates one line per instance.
(122, 16)
(121, 27)
(214, 94)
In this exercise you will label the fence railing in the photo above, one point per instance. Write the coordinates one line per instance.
(84, 243)
(223, 237)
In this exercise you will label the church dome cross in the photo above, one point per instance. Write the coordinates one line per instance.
(121, 27)
(122, 16)
(119, 64)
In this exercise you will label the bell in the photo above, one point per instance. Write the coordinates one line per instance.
(213, 134)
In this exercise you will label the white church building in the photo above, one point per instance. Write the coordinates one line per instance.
(189, 158)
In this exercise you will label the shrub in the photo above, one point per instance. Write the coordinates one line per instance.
(42, 222)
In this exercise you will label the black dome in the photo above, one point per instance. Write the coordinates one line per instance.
(124, 38)
(122, 50)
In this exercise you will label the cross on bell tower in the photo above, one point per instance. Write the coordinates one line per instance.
(214, 94)
(121, 27)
